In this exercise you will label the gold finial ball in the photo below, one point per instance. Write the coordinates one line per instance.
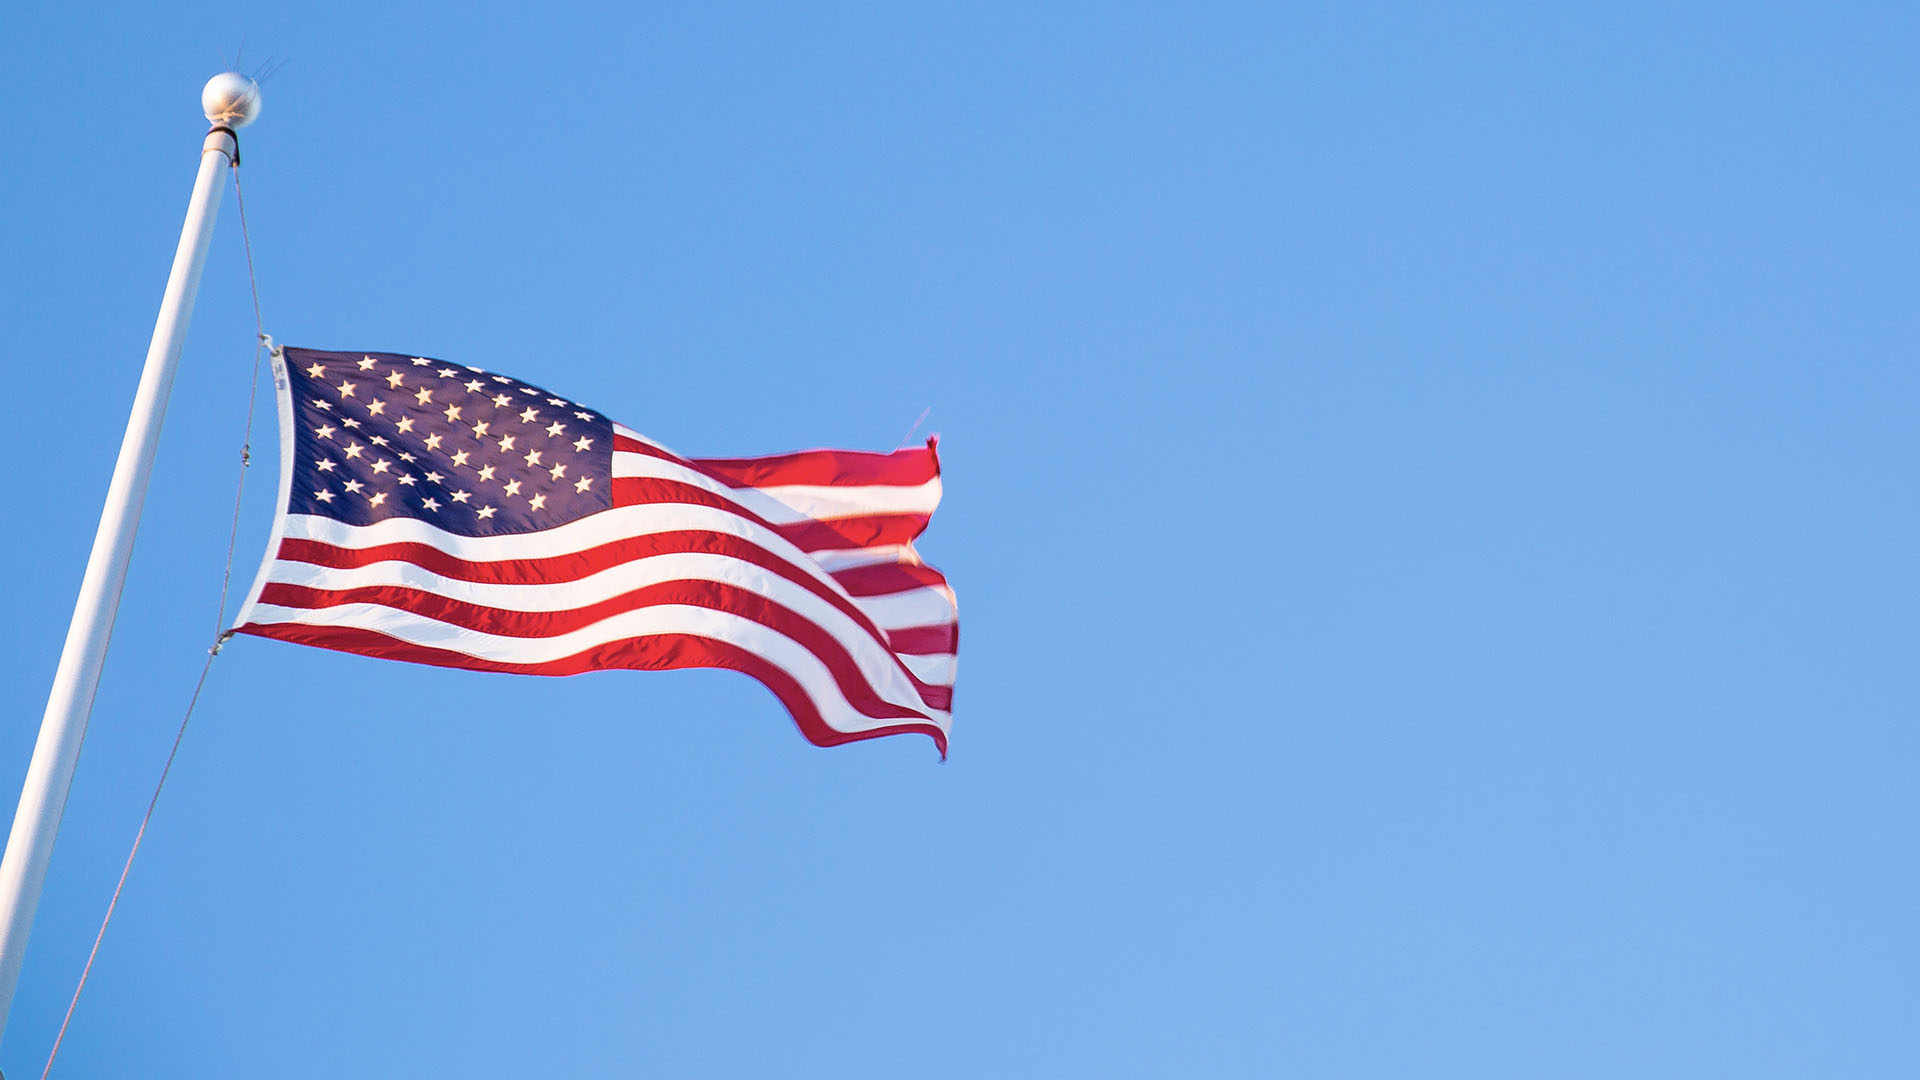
(231, 99)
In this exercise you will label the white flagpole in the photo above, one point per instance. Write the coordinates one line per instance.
(230, 101)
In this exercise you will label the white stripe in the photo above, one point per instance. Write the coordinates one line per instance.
(835, 561)
(608, 526)
(932, 605)
(877, 664)
(935, 669)
(823, 502)
(584, 534)
(783, 652)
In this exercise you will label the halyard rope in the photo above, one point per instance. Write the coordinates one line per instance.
(137, 837)
(262, 341)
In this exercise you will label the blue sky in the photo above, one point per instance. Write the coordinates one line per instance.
(1431, 495)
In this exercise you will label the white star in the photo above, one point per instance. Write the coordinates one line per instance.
(353, 486)
(382, 465)
(486, 511)
(557, 471)
(327, 405)
(324, 465)
(324, 431)
(475, 370)
(453, 412)
(501, 378)
(316, 371)
(529, 390)
(433, 477)
(555, 401)
(431, 504)
(486, 472)
(421, 361)
(448, 373)
(460, 457)
(423, 396)
(529, 416)
(506, 443)
(394, 380)
(403, 425)
(376, 407)
(556, 428)
(433, 441)
(480, 429)
(587, 416)
(323, 496)
(406, 457)
(349, 422)
(533, 457)
(513, 487)
(584, 483)
(582, 443)
(462, 496)
(502, 400)
(366, 363)
(354, 450)
(377, 499)
(474, 385)
(378, 440)
(536, 502)
(346, 389)
(409, 480)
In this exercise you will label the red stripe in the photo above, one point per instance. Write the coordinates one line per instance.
(842, 534)
(657, 652)
(712, 595)
(831, 468)
(836, 534)
(576, 565)
(573, 566)
(880, 579)
(925, 640)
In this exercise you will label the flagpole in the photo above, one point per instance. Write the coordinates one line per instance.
(230, 101)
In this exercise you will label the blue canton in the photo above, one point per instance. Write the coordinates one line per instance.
(380, 435)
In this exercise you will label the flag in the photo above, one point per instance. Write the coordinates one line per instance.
(447, 515)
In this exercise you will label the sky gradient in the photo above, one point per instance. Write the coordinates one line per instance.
(1431, 497)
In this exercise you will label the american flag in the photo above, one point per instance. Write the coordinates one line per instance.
(446, 515)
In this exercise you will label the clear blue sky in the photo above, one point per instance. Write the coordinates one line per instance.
(1432, 497)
